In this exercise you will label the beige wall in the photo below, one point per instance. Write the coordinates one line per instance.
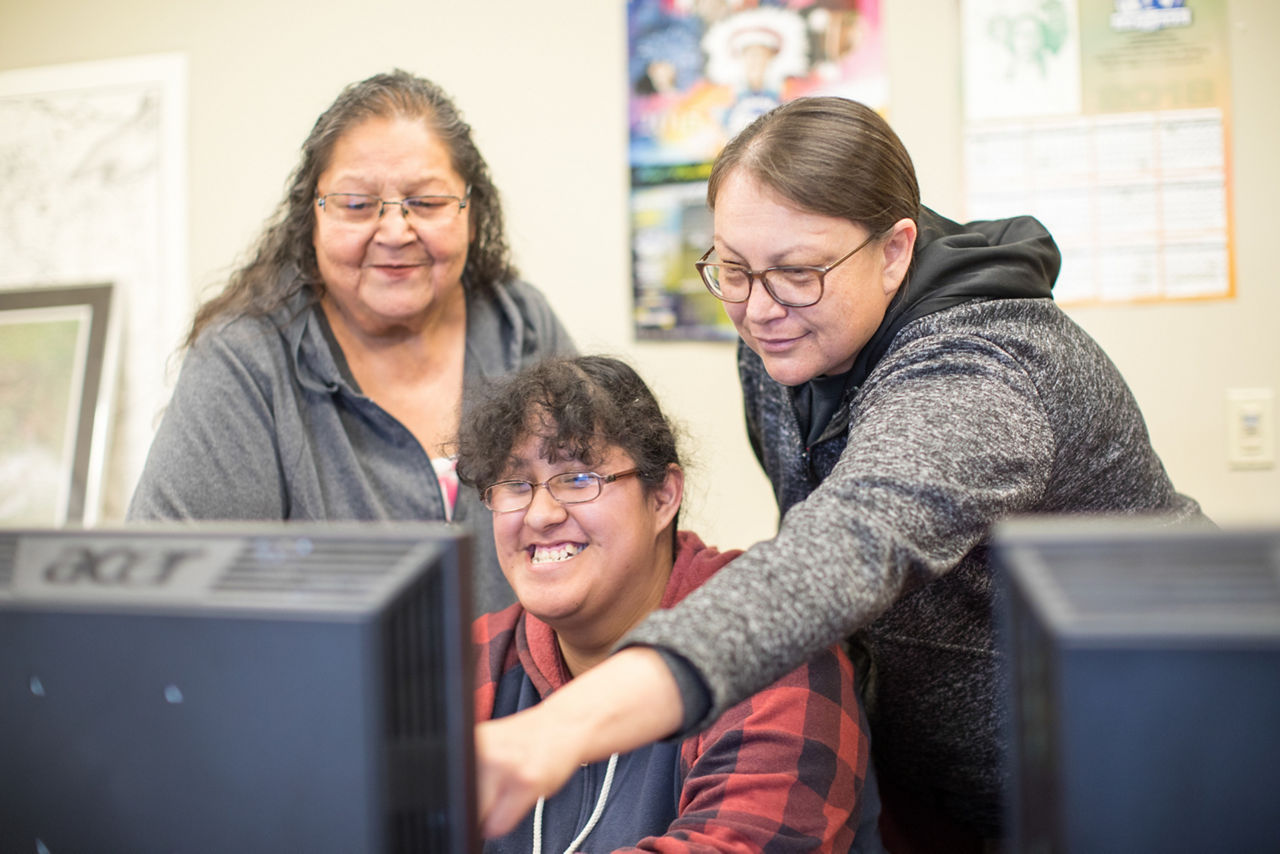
(543, 85)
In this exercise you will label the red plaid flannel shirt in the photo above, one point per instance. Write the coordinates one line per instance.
(782, 770)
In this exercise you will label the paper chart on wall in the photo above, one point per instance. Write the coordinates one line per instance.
(92, 188)
(1107, 120)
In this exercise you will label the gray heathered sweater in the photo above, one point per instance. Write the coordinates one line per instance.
(978, 399)
(267, 423)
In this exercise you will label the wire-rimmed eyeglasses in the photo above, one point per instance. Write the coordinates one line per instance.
(571, 487)
(792, 285)
(365, 208)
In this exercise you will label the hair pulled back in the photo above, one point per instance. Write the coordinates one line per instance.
(830, 156)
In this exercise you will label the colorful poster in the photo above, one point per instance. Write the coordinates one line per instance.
(1107, 120)
(700, 71)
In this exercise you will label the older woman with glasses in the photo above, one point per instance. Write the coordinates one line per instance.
(329, 377)
(582, 472)
(908, 382)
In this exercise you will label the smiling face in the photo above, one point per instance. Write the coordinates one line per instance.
(389, 275)
(757, 228)
(592, 570)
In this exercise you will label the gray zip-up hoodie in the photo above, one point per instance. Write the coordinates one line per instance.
(267, 423)
(976, 399)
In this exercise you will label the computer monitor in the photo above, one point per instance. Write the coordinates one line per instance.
(1144, 690)
(236, 687)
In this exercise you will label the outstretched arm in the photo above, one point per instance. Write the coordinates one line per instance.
(628, 700)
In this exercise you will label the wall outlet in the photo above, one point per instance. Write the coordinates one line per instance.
(1251, 438)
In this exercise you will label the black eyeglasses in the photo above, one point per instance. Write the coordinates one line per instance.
(363, 208)
(572, 487)
(792, 285)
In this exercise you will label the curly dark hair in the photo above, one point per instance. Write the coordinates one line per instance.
(578, 407)
(284, 258)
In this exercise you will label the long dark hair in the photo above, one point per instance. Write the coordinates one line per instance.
(284, 259)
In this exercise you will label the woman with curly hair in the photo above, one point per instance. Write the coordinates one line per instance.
(581, 469)
(328, 378)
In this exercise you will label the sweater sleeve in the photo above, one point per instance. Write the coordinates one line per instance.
(948, 436)
(783, 770)
(544, 334)
(214, 455)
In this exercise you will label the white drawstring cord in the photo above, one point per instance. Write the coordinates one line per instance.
(591, 822)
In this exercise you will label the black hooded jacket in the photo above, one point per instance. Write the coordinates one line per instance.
(953, 263)
(976, 399)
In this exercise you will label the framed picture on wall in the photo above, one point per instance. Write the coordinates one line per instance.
(56, 372)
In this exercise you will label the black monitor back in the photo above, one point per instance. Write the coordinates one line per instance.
(1144, 692)
(236, 688)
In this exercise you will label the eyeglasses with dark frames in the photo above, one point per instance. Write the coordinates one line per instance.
(364, 208)
(792, 285)
(571, 487)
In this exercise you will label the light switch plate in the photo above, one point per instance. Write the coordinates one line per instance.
(1251, 441)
